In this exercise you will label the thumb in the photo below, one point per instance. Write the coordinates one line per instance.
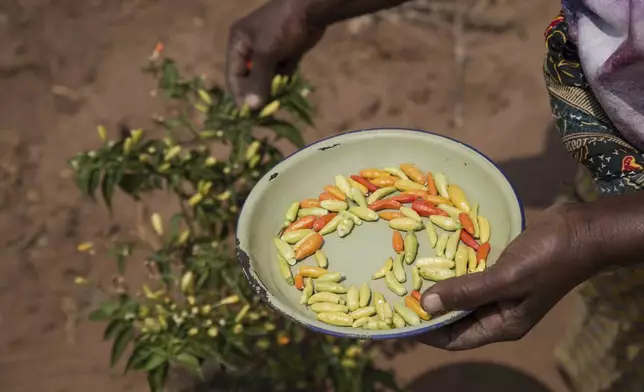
(464, 292)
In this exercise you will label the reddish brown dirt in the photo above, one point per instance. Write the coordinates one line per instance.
(389, 75)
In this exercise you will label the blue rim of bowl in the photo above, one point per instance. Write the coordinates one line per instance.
(453, 315)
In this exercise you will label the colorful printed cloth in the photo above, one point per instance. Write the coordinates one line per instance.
(604, 351)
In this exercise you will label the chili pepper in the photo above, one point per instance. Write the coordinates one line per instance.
(452, 211)
(358, 197)
(331, 287)
(294, 236)
(367, 311)
(299, 282)
(325, 307)
(457, 196)
(416, 280)
(384, 204)
(353, 299)
(351, 215)
(405, 224)
(313, 243)
(316, 211)
(431, 234)
(452, 243)
(365, 295)
(425, 209)
(466, 221)
(328, 196)
(309, 271)
(336, 318)
(404, 198)
(407, 314)
(394, 171)
(414, 305)
(445, 223)
(474, 213)
(398, 321)
(389, 215)
(398, 270)
(343, 184)
(334, 205)
(285, 270)
(302, 223)
(381, 272)
(418, 193)
(481, 266)
(307, 291)
(364, 213)
(361, 322)
(413, 173)
(469, 240)
(345, 227)
(483, 252)
(394, 285)
(436, 274)
(269, 109)
(434, 262)
(441, 185)
(485, 229)
(285, 250)
(398, 242)
(408, 185)
(411, 247)
(431, 186)
(321, 222)
(330, 276)
(460, 260)
(324, 297)
(364, 182)
(387, 312)
(409, 213)
(436, 200)
(309, 203)
(384, 182)
(321, 259)
(299, 243)
(471, 260)
(373, 173)
(441, 244)
(335, 191)
(380, 193)
(355, 184)
(416, 294)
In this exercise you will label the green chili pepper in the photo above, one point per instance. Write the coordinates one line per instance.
(322, 261)
(285, 270)
(353, 298)
(365, 295)
(330, 287)
(325, 307)
(417, 281)
(452, 244)
(407, 314)
(394, 285)
(336, 318)
(398, 270)
(307, 291)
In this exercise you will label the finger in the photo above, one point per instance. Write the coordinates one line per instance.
(256, 86)
(239, 53)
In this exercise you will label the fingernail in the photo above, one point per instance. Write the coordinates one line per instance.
(252, 100)
(432, 304)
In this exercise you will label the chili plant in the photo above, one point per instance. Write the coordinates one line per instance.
(195, 306)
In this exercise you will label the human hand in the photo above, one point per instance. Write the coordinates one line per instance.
(270, 40)
(534, 272)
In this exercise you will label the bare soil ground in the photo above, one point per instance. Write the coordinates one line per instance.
(66, 65)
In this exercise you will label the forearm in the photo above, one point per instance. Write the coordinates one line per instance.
(323, 13)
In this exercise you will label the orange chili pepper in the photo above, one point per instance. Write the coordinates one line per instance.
(426, 209)
(305, 222)
(415, 294)
(413, 173)
(382, 182)
(328, 196)
(437, 200)
(404, 198)
(398, 242)
(321, 221)
(309, 203)
(299, 282)
(384, 205)
(469, 240)
(466, 221)
(413, 304)
(335, 191)
(431, 186)
(483, 252)
(365, 182)
(373, 173)
(308, 271)
(389, 215)
(312, 244)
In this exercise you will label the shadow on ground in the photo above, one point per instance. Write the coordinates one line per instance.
(539, 179)
(476, 377)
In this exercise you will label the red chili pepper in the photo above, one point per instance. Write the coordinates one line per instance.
(249, 65)
(365, 182)
(320, 222)
(431, 186)
(386, 204)
(404, 198)
(469, 240)
(302, 223)
(415, 294)
(466, 221)
(426, 209)
(482, 252)
(299, 282)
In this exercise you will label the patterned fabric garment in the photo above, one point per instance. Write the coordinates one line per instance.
(604, 351)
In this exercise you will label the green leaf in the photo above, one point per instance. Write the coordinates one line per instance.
(190, 361)
(154, 361)
(385, 378)
(94, 180)
(110, 179)
(120, 344)
(157, 377)
(138, 358)
(287, 130)
(175, 225)
(301, 108)
(113, 328)
(132, 183)
(105, 311)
